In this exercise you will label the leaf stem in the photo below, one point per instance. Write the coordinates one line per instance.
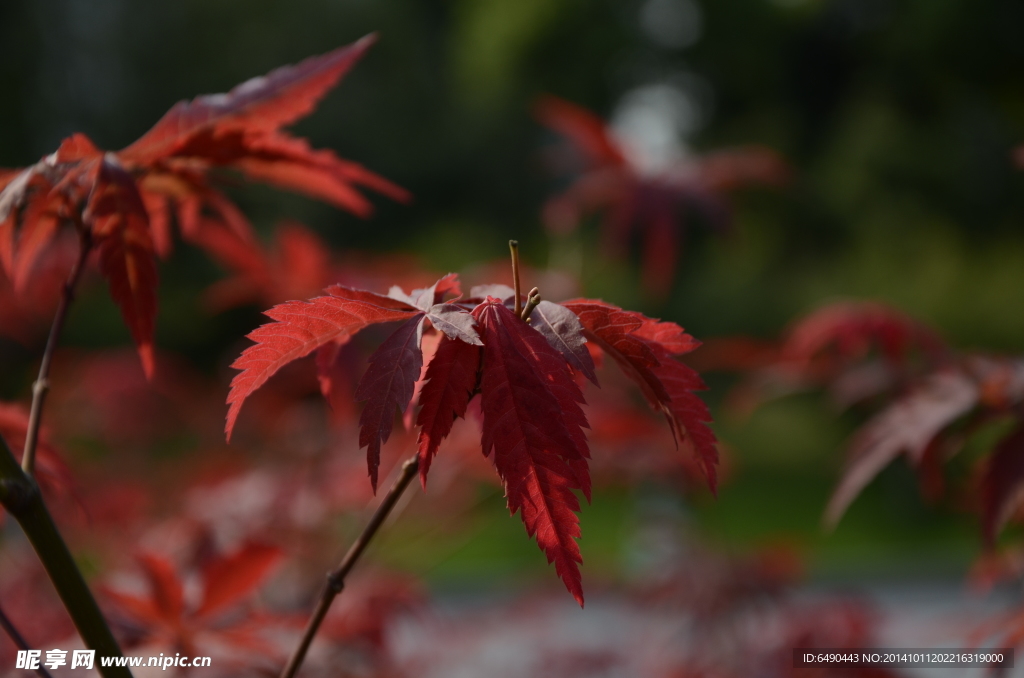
(336, 579)
(19, 640)
(20, 495)
(42, 383)
(514, 246)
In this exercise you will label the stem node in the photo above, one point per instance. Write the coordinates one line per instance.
(336, 579)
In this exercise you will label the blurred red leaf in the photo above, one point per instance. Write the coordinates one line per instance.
(658, 204)
(123, 201)
(855, 349)
(120, 223)
(50, 471)
(907, 426)
(228, 580)
(165, 589)
(1002, 485)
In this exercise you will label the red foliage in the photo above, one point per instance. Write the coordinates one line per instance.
(531, 403)
(657, 205)
(932, 399)
(122, 202)
(645, 348)
(297, 267)
(164, 617)
(26, 313)
(856, 350)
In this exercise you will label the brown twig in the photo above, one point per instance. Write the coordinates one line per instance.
(336, 579)
(42, 383)
(20, 641)
(514, 246)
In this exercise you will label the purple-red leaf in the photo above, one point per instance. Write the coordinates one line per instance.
(451, 378)
(454, 322)
(564, 332)
(387, 386)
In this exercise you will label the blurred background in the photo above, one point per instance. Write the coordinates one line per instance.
(897, 120)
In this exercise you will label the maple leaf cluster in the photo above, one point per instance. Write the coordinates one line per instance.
(524, 369)
(165, 618)
(927, 399)
(657, 205)
(123, 203)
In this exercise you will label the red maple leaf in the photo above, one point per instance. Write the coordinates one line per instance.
(164, 615)
(523, 369)
(296, 267)
(645, 348)
(658, 205)
(122, 202)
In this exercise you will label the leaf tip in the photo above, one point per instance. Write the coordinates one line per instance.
(148, 361)
(229, 425)
(368, 40)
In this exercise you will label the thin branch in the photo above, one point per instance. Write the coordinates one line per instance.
(514, 246)
(20, 495)
(19, 640)
(42, 383)
(336, 579)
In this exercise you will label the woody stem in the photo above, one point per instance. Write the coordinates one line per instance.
(514, 246)
(20, 495)
(42, 384)
(336, 579)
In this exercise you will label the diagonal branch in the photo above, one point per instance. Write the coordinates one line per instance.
(336, 579)
(19, 640)
(42, 383)
(19, 494)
